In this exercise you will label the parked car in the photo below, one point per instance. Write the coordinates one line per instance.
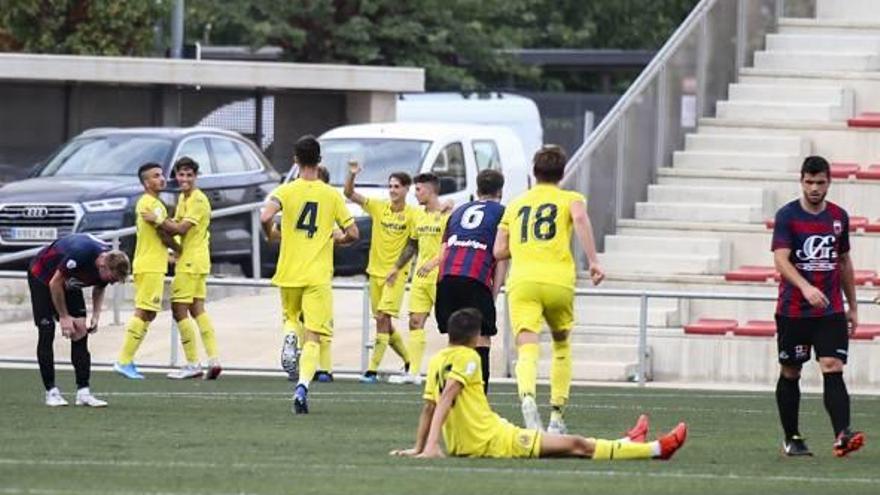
(91, 185)
(454, 152)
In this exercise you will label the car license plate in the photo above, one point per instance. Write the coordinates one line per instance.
(33, 234)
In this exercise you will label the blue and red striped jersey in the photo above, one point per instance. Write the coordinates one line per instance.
(75, 256)
(470, 237)
(816, 243)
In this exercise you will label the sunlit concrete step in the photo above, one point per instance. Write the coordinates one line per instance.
(783, 93)
(664, 193)
(818, 60)
(766, 110)
(822, 42)
(624, 312)
(663, 264)
(700, 212)
(789, 145)
(728, 160)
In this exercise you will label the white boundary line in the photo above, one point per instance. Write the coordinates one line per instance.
(409, 466)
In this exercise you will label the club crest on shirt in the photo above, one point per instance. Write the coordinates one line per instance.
(71, 264)
(837, 226)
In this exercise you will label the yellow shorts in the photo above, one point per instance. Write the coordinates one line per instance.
(185, 287)
(148, 291)
(387, 299)
(513, 442)
(532, 302)
(422, 297)
(316, 304)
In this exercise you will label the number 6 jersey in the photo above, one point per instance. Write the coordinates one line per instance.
(310, 209)
(540, 226)
(470, 237)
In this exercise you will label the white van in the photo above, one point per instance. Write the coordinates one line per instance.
(456, 153)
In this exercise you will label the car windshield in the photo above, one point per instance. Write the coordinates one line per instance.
(378, 158)
(108, 155)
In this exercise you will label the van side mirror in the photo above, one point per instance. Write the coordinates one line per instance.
(448, 185)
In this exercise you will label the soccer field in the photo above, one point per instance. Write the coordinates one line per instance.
(237, 436)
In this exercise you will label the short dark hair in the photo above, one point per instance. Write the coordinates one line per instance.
(402, 177)
(464, 325)
(428, 178)
(549, 163)
(147, 166)
(490, 183)
(324, 174)
(815, 165)
(307, 151)
(186, 162)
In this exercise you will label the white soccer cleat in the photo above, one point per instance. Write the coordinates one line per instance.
(405, 378)
(54, 398)
(290, 357)
(84, 397)
(186, 372)
(531, 417)
(557, 424)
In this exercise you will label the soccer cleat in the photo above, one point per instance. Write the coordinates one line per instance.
(531, 418)
(85, 398)
(672, 441)
(639, 432)
(54, 398)
(369, 377)
(214, 370)
(323, 376)
(129, 371)
(301, 400)
(795, 446)
(290, 357)
(186, 372)
(405, 378)
(848, 441)
(557, 424)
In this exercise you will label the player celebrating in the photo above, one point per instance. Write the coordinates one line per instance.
(311, 209)
(189, 287)
(150, 265)
(425, 240)
(811, 251)
(56, 277)
(393, 222)
(456, 404)
(535, 232)
(469, 276)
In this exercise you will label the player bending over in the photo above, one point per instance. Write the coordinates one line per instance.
(456, 403)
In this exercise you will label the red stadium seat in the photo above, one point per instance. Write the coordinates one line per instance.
(841, 170)
(870, 173)
(756, 328)
(865, 119)
(710, 326)
(856, 223)
(873, 227)
(865, 277)
(748, 273)
(866, 331)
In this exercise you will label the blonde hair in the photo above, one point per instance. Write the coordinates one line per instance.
(118, 263)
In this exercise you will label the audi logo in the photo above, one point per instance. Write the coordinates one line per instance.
(35, 212)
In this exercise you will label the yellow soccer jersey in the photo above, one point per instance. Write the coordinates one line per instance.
(471, 424)
(196, 255)
(310, 209)
(391, 230)
(428, 231)
(540, 227)
(150, 253)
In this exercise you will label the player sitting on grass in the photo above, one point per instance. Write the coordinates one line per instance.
(456, 403)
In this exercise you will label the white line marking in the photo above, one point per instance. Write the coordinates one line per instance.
(408, 466)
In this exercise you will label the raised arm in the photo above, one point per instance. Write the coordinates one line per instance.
(354, 169)
(432, 444)
(584, 231)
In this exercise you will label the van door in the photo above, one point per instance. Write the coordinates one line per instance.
(451, 167)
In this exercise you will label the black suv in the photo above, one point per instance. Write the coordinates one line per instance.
(91, 185)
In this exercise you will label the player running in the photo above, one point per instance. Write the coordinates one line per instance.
(535, 233)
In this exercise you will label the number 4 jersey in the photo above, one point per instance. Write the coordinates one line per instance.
(470, 237)
(816, 243)
(540, 226)
(310, 209)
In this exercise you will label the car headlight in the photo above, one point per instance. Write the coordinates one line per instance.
(111, 204)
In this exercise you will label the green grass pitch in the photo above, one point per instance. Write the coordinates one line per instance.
(238, 436)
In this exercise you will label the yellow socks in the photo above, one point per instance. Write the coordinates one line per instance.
(396, 342)
(560, 373)
(417, 343)
(135, 330)
(187, 329)
(527, 369)
(613, 450)
(326, 359)
(378, 351)
(209, 339)
(308, 362)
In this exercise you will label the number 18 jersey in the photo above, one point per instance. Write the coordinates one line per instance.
(540, 226)
(310, 209)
